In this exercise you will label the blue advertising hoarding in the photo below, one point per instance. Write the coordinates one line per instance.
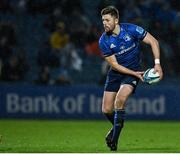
(84, 102)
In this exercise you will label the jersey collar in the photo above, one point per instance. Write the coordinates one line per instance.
(116, 31)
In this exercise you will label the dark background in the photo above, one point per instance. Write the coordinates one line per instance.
(56, 42)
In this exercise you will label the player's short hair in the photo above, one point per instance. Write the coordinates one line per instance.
(110, 10)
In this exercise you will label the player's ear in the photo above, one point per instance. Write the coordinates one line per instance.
(116, 20)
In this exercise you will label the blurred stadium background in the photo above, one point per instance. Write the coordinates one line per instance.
(51, 66)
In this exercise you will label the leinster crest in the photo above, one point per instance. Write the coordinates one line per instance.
(127, 38)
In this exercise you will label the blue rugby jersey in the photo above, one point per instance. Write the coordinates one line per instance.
(125, 45)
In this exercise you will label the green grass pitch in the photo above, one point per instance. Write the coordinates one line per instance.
(87, 136)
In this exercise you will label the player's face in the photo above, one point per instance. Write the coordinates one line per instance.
(109, 22)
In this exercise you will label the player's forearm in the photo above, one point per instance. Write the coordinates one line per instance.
(121, 69)
(149, 39)
(114, 64)
(155, 49)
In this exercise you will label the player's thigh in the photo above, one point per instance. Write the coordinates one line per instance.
(124, 92)
(108, 101)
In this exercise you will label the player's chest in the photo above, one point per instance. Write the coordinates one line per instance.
(121, 43)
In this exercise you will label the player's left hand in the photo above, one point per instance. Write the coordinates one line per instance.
(157, 68)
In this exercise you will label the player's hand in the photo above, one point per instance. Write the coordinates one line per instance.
(157, 68)
(139, 75)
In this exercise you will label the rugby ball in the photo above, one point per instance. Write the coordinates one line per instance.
(150, 77)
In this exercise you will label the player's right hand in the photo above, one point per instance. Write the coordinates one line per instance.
(157, 68)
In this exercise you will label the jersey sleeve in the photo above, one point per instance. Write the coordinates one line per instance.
(137, 31)
(106, 51)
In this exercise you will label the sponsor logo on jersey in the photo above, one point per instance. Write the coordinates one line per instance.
(122, 47)
(125, 50)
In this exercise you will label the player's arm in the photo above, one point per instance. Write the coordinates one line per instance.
(114, 64)
(149, 39)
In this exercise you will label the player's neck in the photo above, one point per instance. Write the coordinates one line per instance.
(116, 30)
